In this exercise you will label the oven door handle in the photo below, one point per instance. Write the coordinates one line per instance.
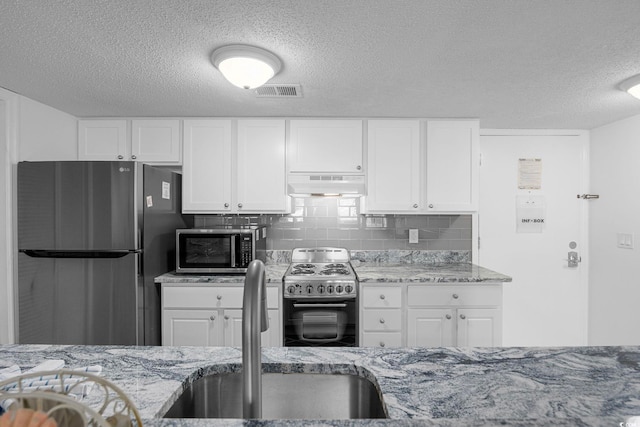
(319, 305)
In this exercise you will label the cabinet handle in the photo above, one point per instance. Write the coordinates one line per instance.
(431, 206)
(120, 157)
(381, 343)
(226, 317)
(358, 167)
(382, 321)
(239, 205)
(448, 316)
(219, 297)
(455, 296)
(462, 316)
(415, 205)
(382, 296)
(133, 157)
(212, 317)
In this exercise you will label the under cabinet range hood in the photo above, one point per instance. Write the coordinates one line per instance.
(302, 185)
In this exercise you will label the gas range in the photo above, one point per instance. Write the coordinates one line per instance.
(320, 273)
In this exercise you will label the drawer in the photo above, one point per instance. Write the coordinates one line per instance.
(382, 296)
(382, 320)
(481, 295)
(381, 339)
(211, 297)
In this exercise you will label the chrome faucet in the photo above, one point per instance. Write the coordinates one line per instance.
(254, 321)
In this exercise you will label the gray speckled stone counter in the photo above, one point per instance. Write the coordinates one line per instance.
(427, 273)
(273, 274)
(420, 386)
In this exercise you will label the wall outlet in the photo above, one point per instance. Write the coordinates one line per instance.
(625, 240)
(413, 235)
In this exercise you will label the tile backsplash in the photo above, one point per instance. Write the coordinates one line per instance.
(335, 221)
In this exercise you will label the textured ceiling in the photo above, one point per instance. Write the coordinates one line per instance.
(510, 63)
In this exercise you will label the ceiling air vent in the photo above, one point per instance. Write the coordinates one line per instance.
(279, 91)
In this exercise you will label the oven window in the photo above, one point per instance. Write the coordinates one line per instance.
(205, 251)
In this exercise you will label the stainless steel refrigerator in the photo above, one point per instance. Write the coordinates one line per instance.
(92, 236)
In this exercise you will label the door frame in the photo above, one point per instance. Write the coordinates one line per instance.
(8, 170)
(584, 138)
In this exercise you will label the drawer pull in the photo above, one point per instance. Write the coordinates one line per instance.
(455, 296)
(219, 297)
(212, 317)
(381, 320)
(381, 343)
(462, 316)
(382, 296)
(448, 316)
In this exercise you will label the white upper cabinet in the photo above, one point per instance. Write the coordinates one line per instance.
(261, 185)
(206, 170)
(452, 165)
(325, 146)
(154, 141)
(102, 140)
(422, 167)
(393, 166)
(223, 174)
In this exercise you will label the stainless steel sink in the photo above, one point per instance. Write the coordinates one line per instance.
(284, 396)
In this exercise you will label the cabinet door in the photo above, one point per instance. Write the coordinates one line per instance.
(191, 327)
(206, 172)
(156, 141)
(333, 146)
(261, 172)
(430, 327)
(479, 327)
(102, 140)
(452, 166)
(393, 155)
(233, 329)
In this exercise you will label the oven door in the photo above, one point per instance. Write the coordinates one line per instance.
(320, 322)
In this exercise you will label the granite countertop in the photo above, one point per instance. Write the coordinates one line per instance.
(420, 386)
(273, 274)
(426, 273)
(367, 272)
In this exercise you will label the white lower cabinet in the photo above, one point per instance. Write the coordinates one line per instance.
(460, 316)
(211, 315)
(381, 316)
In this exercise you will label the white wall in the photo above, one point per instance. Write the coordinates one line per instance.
(614, 290)
(45, 133)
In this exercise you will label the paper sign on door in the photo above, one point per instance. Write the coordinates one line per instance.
(531, 212)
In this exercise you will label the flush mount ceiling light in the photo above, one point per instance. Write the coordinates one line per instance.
(247, 67)
(632, 86)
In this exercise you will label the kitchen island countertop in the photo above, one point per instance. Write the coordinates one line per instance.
(420, 386)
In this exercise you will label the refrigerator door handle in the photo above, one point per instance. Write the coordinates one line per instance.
(50, 253)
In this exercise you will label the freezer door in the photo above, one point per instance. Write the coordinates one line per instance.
(77, 301)
(77, 206)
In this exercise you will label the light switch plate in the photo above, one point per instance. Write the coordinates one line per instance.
(413, 235)
(625, 240)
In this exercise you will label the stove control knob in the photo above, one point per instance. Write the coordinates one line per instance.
(348, 289)
(320, 289)
(291, 289)
(309, 289)
(330, 289)
(339, 289)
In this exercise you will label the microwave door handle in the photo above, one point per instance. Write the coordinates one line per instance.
(320, 305)
(233, 250)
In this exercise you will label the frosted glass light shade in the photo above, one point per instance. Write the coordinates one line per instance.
(247, 67)
(632, 86)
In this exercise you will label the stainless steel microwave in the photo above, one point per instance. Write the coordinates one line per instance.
(219, 250)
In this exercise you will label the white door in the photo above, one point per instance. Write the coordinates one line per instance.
(546, 304)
